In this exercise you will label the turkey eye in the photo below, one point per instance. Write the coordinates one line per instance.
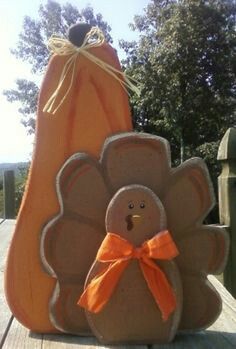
(131, 206)
(142, 205)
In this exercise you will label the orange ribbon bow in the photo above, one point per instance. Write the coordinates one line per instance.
(118, 252)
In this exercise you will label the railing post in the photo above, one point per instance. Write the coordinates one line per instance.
(9, 194)
(227, 201)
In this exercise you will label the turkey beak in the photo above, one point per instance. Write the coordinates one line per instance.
(132, 221)
(136, 219)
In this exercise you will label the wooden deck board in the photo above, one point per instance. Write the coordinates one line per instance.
(221, 335)
(201, 340)
(72, 342)
(6, 230)
(19, 337)
(227, 320)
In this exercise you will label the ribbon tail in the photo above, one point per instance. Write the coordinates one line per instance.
(123, 79)
(52, 100)
(159, 286)
(98, 292)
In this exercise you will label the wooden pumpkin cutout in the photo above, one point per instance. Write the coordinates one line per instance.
(96, 106)
(185, 195)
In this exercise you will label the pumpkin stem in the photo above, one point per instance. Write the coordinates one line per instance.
(77, 33)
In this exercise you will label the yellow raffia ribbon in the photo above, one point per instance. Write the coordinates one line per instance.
(63, 47)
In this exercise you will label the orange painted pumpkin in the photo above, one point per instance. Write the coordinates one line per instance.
(95, 107)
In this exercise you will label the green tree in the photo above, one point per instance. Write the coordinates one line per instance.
(32, 48)
(185, 59)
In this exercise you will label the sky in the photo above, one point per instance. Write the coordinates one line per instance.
(15, 144)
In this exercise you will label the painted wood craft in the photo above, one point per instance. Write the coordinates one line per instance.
(131, 198)
(82, 101)
(110, 239)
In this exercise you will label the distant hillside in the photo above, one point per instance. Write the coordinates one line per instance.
(13, 166)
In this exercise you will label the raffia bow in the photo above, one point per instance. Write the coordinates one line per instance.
(119, 252)
(63, 47)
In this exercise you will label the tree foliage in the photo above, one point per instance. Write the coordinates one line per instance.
(185, 60)
(32, 48)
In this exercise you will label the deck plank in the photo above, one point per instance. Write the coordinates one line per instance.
(14, 336)
(75, 342)
(6, 231)
(19, 337)
(201, 340)
(227, 320)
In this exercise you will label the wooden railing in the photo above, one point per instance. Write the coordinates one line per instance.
(8, 194)
(227, 202)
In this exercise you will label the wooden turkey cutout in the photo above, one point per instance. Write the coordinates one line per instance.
(89, 193)
(135, 214)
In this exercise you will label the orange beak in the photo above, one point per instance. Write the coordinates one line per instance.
(136, 219)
